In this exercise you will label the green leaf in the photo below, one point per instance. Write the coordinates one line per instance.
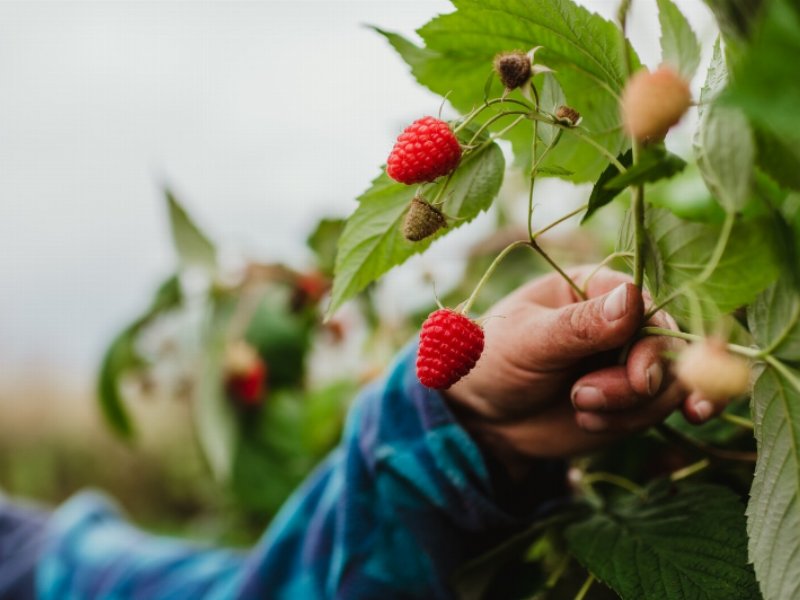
(774, 320)
(779, 157)
(725, 151)
(193, 247)
(655, 163)
(773, 513)
(678, 252)
(584, 49)
(679, 45)
(323, 240)
(686, 196)
(121, 357)
(551, 97)
(554, 171)
(373, 243)
(716, 77)
(214, 415)
(736, 18)
(601, 195)
(679, 544)
(765, 83)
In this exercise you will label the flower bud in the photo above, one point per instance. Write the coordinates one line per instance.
(568, 116)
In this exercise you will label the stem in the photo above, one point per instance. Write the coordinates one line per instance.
(534, 163)
(471, 116)
(736, 420)
(440, 193)
(617, 480)
(640, 241)
(690, 470)
(585, 588)
(599, 147)
(558, 221)
(490, 121)
(498, 259)
(694, 445)
(534, 169)
(690, 337)
(556, 575)
(603, 263)
(536, 247)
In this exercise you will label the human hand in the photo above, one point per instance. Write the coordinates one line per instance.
(549, 382)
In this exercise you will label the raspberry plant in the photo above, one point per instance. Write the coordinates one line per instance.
(564, 89)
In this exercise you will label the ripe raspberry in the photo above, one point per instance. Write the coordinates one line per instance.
(513, 69)
(245, 374)
(654, 102)
(449, 346)
(422, 220)
(710, 369)
(426, 150)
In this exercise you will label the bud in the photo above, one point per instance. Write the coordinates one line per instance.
(422, 220)
(513, 68)
(708, 368)
(654, 102)
(568, 116)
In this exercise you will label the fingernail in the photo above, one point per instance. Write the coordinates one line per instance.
(592, 422)
(616, 303)
(588, 398)
(654, 375)
(703, 410)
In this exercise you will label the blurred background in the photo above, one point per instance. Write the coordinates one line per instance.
(262, 118)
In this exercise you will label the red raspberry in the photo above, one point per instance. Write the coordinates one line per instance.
(449, 346)
(426, 150)
(248, 388)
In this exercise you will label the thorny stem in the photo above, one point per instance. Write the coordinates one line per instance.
(498, 259)
(537, 248)
(440, 193)
(602, 264)
(491, 120)
(560, 220)
(617, 480)
(712, 452)
(754, 353)
(535, 162)
(690, 470)
(471, 116)
(585, 587)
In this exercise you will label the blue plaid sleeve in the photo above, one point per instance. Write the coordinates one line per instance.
(403, 501)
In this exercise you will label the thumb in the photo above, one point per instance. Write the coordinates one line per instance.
(582, 329)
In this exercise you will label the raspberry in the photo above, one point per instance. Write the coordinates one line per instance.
(710, 369)
(513, 69)
(422, 220)
(426, 149)
(654, 102)
(449, 346)
(245, 374)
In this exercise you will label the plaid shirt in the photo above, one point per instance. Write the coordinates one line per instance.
(404, 500)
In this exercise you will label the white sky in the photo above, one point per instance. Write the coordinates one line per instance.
(264, 116)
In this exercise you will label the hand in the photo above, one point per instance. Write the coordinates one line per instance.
(549, 382)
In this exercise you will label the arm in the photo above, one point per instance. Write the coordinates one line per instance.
(404, 500)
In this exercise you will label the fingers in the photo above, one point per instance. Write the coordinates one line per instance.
(553, 291)
(606, 390)
(632, 419)
(648, 368)
(564, 335)
(697, 410)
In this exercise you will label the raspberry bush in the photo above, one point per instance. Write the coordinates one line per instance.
(563, 91)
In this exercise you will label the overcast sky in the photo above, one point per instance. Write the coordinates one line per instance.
(264, 116)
